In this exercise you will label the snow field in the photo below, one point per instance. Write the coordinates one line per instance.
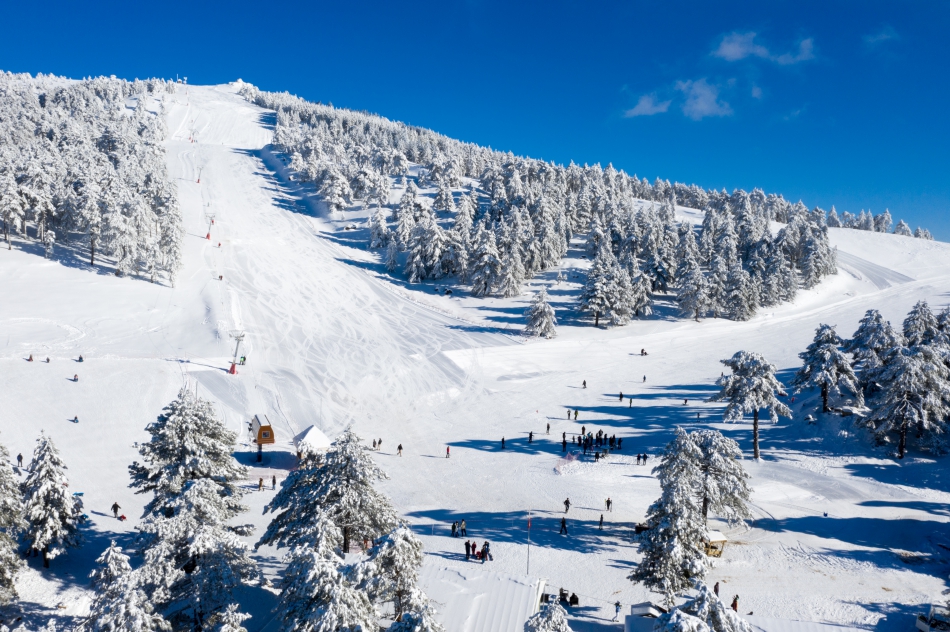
(332, 340)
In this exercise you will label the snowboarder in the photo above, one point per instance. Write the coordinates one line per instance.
(716, 589)
(502, 443)
(735, 603)
(464, 530)
(446, 451)
(399, 450)
(563, 526)
(19, 460)
(621, 395)
(567, 505)
(468, 549)
(273, 482)
(616, 611)
(530, 437)
(601, 527)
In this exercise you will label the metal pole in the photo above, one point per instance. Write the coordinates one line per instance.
(528, 570)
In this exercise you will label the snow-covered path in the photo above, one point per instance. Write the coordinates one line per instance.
(330, 342)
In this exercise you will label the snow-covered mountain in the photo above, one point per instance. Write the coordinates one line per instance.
(843, 532)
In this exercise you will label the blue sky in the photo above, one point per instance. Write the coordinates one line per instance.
(834, 103)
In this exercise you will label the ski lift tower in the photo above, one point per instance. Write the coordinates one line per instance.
(210, 217)
(238, 336)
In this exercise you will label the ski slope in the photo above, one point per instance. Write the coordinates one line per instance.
(332, 340)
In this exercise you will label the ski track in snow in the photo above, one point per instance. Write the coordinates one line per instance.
(331, 343)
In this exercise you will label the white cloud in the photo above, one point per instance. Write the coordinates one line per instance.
(884, 35)
(736, 46)
(702, 100)
(806, 51)
(648, 106)
(756, 92)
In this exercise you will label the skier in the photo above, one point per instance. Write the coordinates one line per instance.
(260, 484)
(616, 611)
(716, 589)
(621, 395)
(530, 437)
(464, 530)
(19, 460)
(115, 510)
(735, 603)
(446, 451)
(468, 549)
(76, 419)
(563, 526)
(567, 505)
(273, 482)
(607, 504)
(601, 527)
(399, 450)
(502, 443)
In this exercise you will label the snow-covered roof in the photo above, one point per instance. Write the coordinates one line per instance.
(768, 624)
(474, 599)
(312, 439)
(716, 536)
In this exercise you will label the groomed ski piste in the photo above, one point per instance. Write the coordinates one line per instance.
(843, 532)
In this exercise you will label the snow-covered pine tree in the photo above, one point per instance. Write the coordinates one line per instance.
(341, 485)
(903, 229)
(883, 222)
(779, 281)
(53, 514)
(673, 545)
(833, 220)
(716, 286)
(228, 620)
(707, 607)
(676, 620)
(923, 233)
(416, 269)
(915, 397)
(541, 319)
(443, 200)
(119, 604)
(188, 443)
(741, 297)
(826, 367)
(420, 619)
(12, 210)
(335, 190)
(874, 340)
(391, 571)
(921, 327)
(379, 233)
(597, 293)
(750, 387)
(722, 480)
(11, 526)
(391, 260)
(550, 618)
(485, 262)
(693, 297)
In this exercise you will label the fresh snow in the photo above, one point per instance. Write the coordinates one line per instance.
(843, 533)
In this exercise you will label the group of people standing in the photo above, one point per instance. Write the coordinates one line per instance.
(472, 551)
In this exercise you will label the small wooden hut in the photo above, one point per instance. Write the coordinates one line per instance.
(262, 433)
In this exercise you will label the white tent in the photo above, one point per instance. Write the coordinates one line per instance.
(312, 440)
(472, 598)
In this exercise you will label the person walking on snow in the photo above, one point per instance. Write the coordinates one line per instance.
(446, 451)
(19, 460)
(585, 383)
(530, 437)
(549, 428)
(735, 603)
(644, 378)
(616, 611)
(601, 527)
(716, 589)
(567, 505)
(563, 526)
(399, 450)
(464, 530)
(621, 395)
(115, 510)
(468, 549)
(260, 484)
(379, 444)
(502, 443)
(273, 482)
(575, 414)
(374, 444)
